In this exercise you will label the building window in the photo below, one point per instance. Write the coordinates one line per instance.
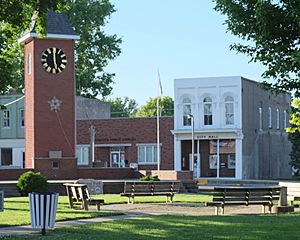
(277, 118)
(82, 153)
(6, 119)
(147, 154)
(22, 121)
(29, 64)
(270, 117)
(260, 118)
(6, 157)
(187, 110)
(229, 110)
(207, 111)
(284, 119)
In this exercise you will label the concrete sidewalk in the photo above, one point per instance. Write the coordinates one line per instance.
(28, 230)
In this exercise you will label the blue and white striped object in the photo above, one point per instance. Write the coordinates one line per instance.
(43, 210)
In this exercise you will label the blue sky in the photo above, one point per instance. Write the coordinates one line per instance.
(181, 38)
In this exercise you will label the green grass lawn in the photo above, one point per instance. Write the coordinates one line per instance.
(184, 227)
(16, 210)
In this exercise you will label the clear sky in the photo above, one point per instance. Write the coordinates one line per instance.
(181, 38)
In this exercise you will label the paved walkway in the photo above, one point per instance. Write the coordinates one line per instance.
(137, 210)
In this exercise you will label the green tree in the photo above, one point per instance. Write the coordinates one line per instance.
(150, 108)
(294, 136)
(125, 107)
(271, 30)
(93, 50)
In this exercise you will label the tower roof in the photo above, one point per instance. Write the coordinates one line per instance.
(58, 26)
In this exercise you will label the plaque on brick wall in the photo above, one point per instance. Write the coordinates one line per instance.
(1, 201)
(55, 154)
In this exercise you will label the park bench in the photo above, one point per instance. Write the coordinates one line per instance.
(241, 195)
(78, 193)
(1, 201)
(150, 188)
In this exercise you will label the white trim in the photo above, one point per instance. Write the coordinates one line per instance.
(147, 144)
(29, 36)
(114, 145)
(207, 131)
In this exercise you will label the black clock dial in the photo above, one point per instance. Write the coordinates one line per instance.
(54, 60)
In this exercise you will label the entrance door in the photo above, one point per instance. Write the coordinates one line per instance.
(117, 159)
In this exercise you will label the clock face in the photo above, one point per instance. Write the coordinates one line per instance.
(54, 60)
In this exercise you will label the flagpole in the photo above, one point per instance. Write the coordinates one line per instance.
(158, 113)
(158, 140)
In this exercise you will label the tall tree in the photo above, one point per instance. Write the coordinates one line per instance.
(166, 105)
(125, 107)
(294, 136)
(271, 30)
(93, 50)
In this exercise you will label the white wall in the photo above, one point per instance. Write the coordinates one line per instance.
(197, 89)
(18, 147)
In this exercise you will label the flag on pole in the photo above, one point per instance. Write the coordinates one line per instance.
(160, 90)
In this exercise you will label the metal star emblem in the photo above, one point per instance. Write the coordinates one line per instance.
(55, 104)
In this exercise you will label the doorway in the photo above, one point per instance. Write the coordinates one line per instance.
(117, 159)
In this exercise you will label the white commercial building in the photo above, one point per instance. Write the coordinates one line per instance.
(238, 129)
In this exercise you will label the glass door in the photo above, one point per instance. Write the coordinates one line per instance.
(117, 159)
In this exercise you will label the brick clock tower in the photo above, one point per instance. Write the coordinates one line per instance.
(50, 124)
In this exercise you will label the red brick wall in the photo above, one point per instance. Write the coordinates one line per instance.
(130, 131)
(29, 104)
(67, 168)
(51, 128)
(47, 130)
(12, 174)
(107, 173)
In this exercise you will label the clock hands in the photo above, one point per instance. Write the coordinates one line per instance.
(54, 58)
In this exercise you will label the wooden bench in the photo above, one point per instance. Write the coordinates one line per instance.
(242, 195)
(150, 188)
(1, 201)
(79, 193)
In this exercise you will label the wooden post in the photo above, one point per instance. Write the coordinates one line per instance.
(283, 196)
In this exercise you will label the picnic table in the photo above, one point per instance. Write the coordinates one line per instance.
(245, 195)
(79, 193)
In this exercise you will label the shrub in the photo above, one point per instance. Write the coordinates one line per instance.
(149, 178)
(32, 182)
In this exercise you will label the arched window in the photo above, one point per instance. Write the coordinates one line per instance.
(270, 117)
(207, 109)
(229, 110)
(277, 118)
(186, 110)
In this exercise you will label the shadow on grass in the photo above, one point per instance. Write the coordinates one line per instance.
(187, 227)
